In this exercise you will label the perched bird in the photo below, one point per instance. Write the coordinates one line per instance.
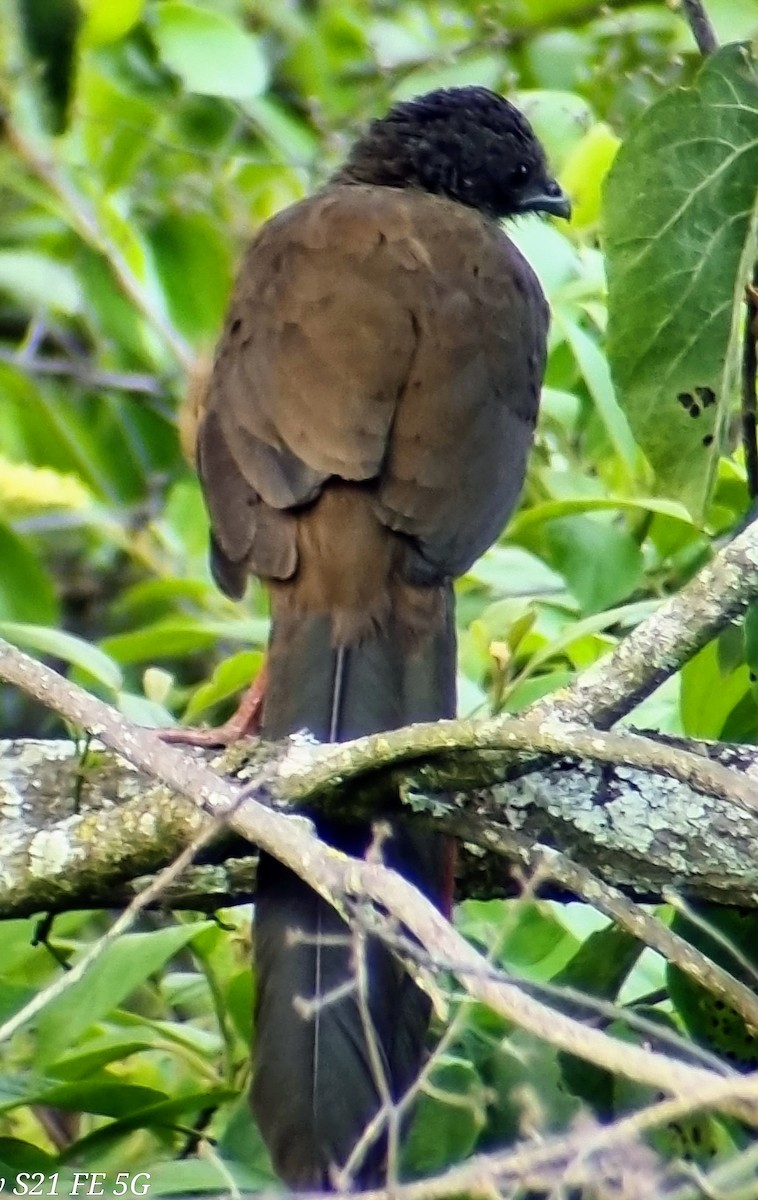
(366, 428)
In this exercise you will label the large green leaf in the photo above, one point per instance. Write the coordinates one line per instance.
(709, 691)
(122, 967)
(450, 1117)
(59, 644)
(26, 590)
(601, 563)
(194, 266)
(38, 281)
(680, 218)
(211, 53)
(108, 20)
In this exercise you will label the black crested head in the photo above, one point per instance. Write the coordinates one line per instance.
(468, 144)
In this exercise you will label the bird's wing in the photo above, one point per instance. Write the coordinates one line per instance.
(465, 420)
(374, 334)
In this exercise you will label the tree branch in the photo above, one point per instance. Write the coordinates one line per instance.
(574, 1158)
(346, 881)
(662, 644)
(700, 24)
(639, 831)
(749, 373)
(513, 817)
(68, 846)
(83, 373)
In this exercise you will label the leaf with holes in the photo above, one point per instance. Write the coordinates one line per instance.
(680, 221)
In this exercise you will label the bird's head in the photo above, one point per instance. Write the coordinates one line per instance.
(468, 144)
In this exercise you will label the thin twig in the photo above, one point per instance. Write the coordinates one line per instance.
(85, 374)
(749, 398)
(633, 918)
(700, 24)
(484, 1174)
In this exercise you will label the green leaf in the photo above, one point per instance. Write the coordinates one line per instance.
(596, 373)
(154, 1112)
(527, 938)
(534, 688)
(194, 265)
(98, 1053)
(241, 1142)
(210, 53)
(584, 172)
(601, 563)
(106, 1097)
(196, 1176)
(549, 510)
(680, 219)
(142, 711)
(108, 20)
(58, 644)
(123, 966)
(38, 281)
(727, 936)
(449, 1119)
(49, 29)
(167, 638)
(599, 968)
(526, 1065)
(292, 139)
(709, 692)
(13, 998)
(512, 571)
(602, 963)
(116, 124)
(153, 598)
(481, 69)
(187, 520)
(26, 592)
(114, 318)
(560, 120)
(17, 1156)
(228, 678)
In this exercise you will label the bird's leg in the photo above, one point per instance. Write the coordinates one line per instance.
(245, 721)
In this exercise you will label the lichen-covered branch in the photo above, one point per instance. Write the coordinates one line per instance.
(64, 841)
(337, 877)
(344, 881)
(81, 835)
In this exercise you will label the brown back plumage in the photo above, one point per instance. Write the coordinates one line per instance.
(369, 415)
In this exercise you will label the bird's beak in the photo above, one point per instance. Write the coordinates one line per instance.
(552, 200)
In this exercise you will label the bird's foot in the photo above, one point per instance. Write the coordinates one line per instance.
(244, 722)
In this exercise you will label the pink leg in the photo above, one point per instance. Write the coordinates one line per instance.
(245, 722)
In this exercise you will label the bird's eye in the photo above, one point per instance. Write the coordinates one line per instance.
(521, 171)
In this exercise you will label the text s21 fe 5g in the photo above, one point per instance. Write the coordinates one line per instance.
(81, 1183)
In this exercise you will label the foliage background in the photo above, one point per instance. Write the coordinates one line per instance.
(143, 141)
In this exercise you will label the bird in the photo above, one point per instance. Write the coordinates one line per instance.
(363, 440)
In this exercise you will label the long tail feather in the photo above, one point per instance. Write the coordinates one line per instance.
(323, 1060)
